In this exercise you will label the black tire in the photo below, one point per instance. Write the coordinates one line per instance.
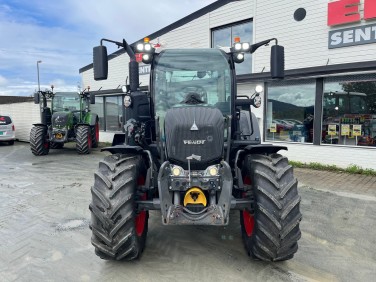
(272, 233)
(116, 233)
(95, 135)
(11, 142)
(83, 139)
(39, 143)
(54, 145)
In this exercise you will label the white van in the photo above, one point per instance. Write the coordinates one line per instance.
(7, 130)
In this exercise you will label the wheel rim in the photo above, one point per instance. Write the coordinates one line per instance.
(248, 219)
(249, 223)
(140, 220)
(89, 141)
(97, 131)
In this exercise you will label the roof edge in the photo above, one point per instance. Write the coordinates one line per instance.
(191, 17)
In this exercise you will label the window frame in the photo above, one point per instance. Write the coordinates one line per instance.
(212, 30)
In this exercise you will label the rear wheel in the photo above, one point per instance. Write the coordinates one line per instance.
(119, 229)
(95, 135)
(271, 232)
(54, 145)
(39, 143)
(11, 142)
(83, 139)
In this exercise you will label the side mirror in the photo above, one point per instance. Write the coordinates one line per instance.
(243, 102)
(92, 98)
(277, 61)
(36, 98)
(100, 62)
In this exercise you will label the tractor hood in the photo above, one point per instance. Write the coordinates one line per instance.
(61, 119)
(194, 130)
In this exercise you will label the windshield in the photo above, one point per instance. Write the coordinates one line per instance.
(203, 72)
(66, 101)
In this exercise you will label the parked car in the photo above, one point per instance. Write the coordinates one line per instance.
(7, 130)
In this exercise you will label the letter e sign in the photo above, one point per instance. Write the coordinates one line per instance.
(347, 11)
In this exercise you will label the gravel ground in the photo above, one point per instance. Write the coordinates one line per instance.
(44, 232)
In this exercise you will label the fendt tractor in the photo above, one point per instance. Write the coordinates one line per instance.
(192, 150)
(69, 119)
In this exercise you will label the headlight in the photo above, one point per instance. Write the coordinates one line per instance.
(259, 88)
(147, 47)
(212, 171)
(177, 171)
(237, 46)
(257, 102)
(127, 101)
(240, 56)
(246, 46)
(140, 47)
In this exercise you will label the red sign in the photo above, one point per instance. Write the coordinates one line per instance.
(347, 11)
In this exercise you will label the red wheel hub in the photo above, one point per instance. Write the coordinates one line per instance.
(97, 131)
(140, 220)
(249, 222)
(248, 219)
(89, 141)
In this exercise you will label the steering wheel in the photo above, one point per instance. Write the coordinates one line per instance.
(195, 89)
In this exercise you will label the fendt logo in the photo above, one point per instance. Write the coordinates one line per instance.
(348, 11)
(194, 142)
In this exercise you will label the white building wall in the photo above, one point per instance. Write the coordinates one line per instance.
(340, 156)
(232, 12)
(306, 42)
(24, 115)
(306, 45)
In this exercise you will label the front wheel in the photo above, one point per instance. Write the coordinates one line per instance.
(271, 231)
(83, 139)
(119, 229)
(39, 143)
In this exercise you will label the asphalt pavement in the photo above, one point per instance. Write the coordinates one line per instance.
(45, 236)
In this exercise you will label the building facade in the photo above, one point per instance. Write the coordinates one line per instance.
(325, 108)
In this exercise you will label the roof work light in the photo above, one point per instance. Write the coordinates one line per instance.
(147, 50)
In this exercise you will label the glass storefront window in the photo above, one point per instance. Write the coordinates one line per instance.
(349, 110)
(113, 113)
(98, 109)
(224, 37)
(290, 111)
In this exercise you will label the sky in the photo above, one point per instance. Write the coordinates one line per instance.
(63, 33)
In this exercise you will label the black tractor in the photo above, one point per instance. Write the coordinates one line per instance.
(69, 119)
(192, 150)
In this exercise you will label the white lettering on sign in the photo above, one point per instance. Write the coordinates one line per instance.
(145, 69)
(352, 36)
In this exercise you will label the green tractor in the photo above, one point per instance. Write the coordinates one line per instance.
(69, 119)
(192, 151)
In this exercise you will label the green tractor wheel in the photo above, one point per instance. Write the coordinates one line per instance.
(39, 143)
(83, 139)
(95, 135)
(271, 233)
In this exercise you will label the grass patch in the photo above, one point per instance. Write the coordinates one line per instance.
(352, 169)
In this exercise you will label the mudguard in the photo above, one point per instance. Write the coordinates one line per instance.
(90, 119)
(124, 149)
(252, 149)
(39, 124)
